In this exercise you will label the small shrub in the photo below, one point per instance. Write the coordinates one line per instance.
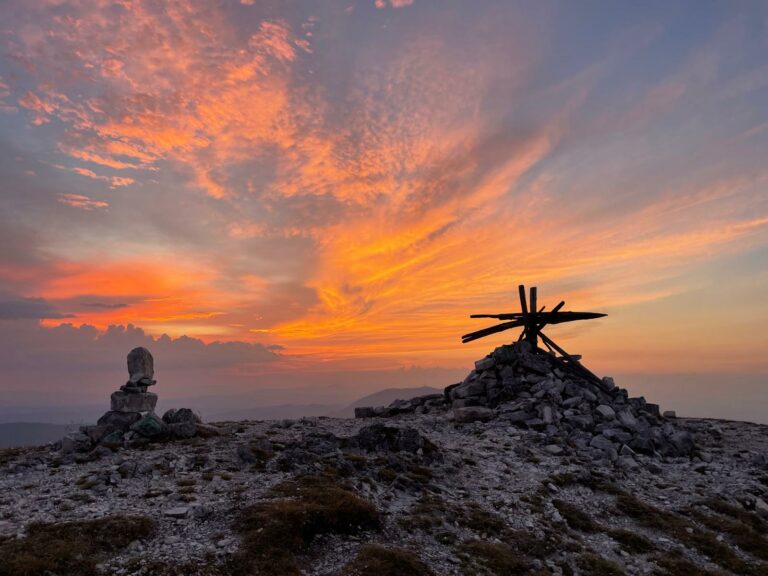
(689, 534)
(381, 561)
(632, 542)
(493, 559)
(594, 565)
(274, 531)
(575, 518)
(743, 535)
(675, 564)
(70, 548)
(738, 513)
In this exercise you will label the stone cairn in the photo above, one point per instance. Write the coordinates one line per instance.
(529, 387)
(131, 420)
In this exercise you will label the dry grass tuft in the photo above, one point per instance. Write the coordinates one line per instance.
(382, 561)
(276, 530)
(71, 548)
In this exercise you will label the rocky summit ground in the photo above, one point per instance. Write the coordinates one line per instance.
(415, 493)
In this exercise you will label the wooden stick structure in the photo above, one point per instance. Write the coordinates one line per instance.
(532, 320)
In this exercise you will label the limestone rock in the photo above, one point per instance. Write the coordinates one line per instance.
(76, 442)
(605, 412)
(127, 402)
(141, 368)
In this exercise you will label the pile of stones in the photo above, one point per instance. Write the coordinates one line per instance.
(131, 420)
(530, 388)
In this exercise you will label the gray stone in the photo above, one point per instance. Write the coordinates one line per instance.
(608, 384)
(605, 412)
(574, 401)
(473, 414)
(485, 364)
(517, 416)
(177, 512)
(75, 442)
(469, 389)
(141, 366)
(602, 443)
(669, 414)
(583, 421)
(546, 414)
(554, 449)
(127, 402)
(627, 420)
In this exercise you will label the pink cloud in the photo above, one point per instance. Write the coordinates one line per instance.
(82, 202)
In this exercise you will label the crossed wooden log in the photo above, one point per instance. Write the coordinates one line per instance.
(532, 321)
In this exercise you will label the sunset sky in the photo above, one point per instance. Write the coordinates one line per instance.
(288, 189)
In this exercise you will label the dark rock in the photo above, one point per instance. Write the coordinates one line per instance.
(178, 416)
(150, 426)
(95, 433)
(76, 442)
(113, 440)
(473, 414)
(207, 430)
(365, 412)
(127, 469)
(119, 420)
(381, 438)
(181, 429)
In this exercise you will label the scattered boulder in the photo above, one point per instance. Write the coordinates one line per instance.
(382, 438)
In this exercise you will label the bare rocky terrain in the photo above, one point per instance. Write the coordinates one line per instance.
(523, 468)
(473, 498)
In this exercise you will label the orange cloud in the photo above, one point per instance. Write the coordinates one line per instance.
(82, 202)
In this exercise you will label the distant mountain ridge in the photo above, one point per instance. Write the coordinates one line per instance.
(384, 398)
(15, 434)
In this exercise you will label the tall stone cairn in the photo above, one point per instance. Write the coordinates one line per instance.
(133, 395)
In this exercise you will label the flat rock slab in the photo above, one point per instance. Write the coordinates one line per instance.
(127, 402)
(178, 512)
